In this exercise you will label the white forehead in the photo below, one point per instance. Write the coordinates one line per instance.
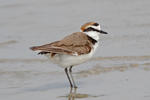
(96, 27)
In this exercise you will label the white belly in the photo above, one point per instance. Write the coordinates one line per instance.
(68, 60)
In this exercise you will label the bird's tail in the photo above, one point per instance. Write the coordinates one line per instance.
(34, 48)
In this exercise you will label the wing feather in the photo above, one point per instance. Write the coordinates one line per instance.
(74, 44)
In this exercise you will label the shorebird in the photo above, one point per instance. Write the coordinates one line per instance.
(73, 49)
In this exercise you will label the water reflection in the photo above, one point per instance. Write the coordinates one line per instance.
(74, 95)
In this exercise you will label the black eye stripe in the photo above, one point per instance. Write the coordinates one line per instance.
(91, 29)
(95, 24)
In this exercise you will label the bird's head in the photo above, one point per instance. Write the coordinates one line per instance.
(92, 26)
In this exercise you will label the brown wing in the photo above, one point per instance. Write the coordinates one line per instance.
(74, 44)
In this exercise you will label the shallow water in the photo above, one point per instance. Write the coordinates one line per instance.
(119, 70)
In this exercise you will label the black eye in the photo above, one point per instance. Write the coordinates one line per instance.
(95, 24)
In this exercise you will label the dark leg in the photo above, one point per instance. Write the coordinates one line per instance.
(70, 70)
(66, 70)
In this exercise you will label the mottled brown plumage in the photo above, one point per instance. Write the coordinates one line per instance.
(75, 44)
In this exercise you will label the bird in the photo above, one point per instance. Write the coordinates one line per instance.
(74, 49)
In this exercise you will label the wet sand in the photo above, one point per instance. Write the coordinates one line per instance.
(119, 70)
(106, 78)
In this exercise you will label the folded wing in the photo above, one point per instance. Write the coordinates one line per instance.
(74, 44)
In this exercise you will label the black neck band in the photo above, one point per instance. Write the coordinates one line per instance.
(92, 40)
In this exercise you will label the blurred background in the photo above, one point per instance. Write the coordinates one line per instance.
(119, 69)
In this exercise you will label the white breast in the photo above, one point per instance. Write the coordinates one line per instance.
(68, 60)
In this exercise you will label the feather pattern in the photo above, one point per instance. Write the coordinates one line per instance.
(75, 44)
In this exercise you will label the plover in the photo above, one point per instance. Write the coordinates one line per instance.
(74, 49)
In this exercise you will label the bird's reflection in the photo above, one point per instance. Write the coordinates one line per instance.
(72, 94)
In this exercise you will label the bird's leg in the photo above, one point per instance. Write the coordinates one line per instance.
(66, 70)
(70, 70)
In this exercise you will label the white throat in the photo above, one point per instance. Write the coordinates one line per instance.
(93, 34)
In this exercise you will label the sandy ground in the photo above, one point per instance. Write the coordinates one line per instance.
(119, 71)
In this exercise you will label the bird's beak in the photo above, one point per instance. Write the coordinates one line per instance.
(102, 32)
